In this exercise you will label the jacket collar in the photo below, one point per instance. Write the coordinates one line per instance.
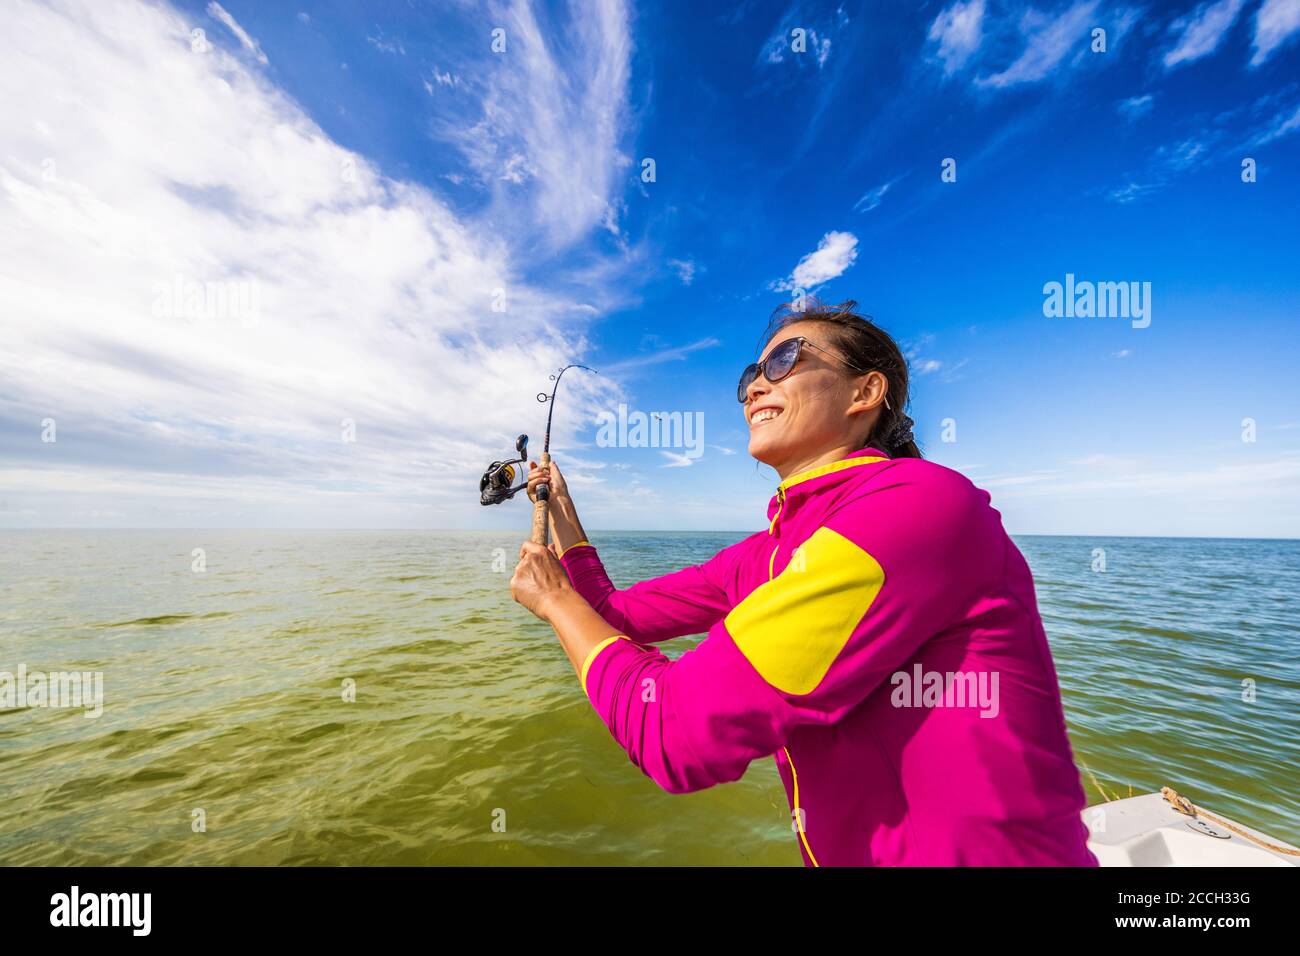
(806, 483)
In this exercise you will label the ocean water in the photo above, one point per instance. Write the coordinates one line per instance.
(469, 740)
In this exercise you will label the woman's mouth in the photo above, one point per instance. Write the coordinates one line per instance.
(764, 414)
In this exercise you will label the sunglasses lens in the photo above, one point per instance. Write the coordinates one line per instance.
(782, 360)
(779, 363)
(746, 379)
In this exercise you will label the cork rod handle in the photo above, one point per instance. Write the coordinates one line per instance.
(541, 507)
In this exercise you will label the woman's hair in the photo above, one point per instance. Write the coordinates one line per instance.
(868, 347)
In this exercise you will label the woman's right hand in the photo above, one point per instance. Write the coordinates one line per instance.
(550, 475)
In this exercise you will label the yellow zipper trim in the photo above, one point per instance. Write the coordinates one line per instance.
(826, 470)
(798, 814)
(780, 503)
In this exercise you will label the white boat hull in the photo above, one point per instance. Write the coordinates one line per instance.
(1147, 831)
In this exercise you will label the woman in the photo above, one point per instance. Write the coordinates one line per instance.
(880, 637)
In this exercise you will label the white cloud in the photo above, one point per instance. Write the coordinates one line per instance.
(1283, 125)
(677, 460)
(833, 256)
(442, 78)
(684, 268)
(1133, 191)
(918, 364)
(552, 118)
(386, 46)
(774, 49)
(218, 12)
(958, 31)
(661, 353)
(518, 170)
(1009, 481)
(823, 51)
(1201, 31)
(1182, 155)
(367, 298)
(1047, 41)
(781, 43)
(1136, 106)
(1276, 22)
(1220, 482)
(872, 197)
(1167, 161)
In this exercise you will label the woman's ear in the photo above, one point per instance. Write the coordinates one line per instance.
(871, 391)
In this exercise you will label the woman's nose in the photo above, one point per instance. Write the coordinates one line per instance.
(758, 387)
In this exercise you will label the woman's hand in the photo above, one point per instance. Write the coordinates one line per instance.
(539, 579)
(566, 529)
(550, 475)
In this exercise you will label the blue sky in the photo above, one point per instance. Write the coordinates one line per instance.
(374, 178)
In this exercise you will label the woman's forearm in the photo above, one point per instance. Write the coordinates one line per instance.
(579, 628)
(566, 529)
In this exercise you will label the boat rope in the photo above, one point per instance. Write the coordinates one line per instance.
(1186, 807)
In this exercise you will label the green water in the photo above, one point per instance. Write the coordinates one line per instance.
(223, 692)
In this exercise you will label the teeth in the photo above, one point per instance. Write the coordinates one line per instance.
(767, 414)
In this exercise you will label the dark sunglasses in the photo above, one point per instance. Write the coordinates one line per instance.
(779, 363)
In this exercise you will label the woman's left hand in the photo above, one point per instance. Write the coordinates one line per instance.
(539, 578)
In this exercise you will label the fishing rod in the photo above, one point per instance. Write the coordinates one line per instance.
(494, 486)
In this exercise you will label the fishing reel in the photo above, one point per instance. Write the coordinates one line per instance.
(494, 486)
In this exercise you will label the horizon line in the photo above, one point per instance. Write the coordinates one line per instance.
(622, 531)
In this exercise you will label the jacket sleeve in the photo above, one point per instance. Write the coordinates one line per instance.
(688, 601)
(883, 574)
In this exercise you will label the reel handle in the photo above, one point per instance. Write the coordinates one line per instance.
(541, 507)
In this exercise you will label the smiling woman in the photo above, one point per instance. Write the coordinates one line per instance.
(875, 564)
(842, 338)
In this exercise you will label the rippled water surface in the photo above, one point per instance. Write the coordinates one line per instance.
(223, 692)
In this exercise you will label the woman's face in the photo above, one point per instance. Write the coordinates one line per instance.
(812, 405)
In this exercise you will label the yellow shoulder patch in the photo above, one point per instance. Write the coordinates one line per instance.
(793, 627)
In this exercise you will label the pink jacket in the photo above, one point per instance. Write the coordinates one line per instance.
(881, 639)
